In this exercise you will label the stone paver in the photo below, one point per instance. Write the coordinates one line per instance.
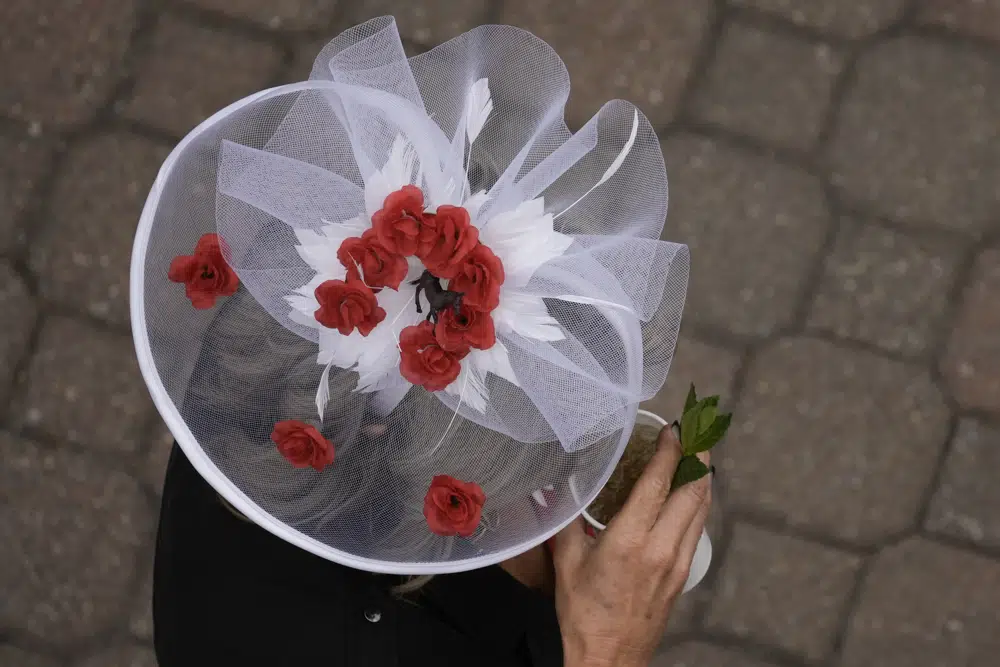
(121, 656)
(60, 60)
(191, 72)
(287, 14)
(926, 605)
(15, 657)
(980, 18)
(81, 388)
(887, 288)
(972, 362)
(428, 22)
(842, 442)
(21, 169)
(968, 496)
(764, 222)
(699, 654)
(16, 302)
(769, 85)
(81, 256)
(71, 531)
(836, 441)
(634, 49)
(843, 18)
(917, 138)
(782, 591)
(140, 621)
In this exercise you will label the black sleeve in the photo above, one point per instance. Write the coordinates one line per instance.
(226, 592)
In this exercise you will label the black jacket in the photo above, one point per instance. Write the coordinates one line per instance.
(229, 594)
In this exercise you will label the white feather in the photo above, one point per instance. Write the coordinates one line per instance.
(527, 316)
(474, 203)
(394, 174)
(615, 164)
(323, 393)
(524, 240)
(478, 107)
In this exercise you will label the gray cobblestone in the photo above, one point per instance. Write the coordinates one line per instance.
(20, 309)
(971, 365)
(71, 530)
(20, 172)
(636, 50)
(428, 22)
(59, 60)
(82, 254)
(15, 657)
(771, 86)
(756, 225)
(842, 442)
(926, 605)
(287, 14)
(965, 503)
(121, 656)
(191, 72)
(887, 288)
(782, 591)
(844, 18)
(917, 140)
(84, 386)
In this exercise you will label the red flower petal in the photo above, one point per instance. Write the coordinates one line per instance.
(302, 444)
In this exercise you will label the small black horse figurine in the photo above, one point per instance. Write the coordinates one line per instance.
(438, 298)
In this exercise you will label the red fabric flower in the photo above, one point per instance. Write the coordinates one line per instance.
(302, 444)
(379, 267)
(205, 274)
(470, 328)
(424, 362)
(446, 238)
(479, 279)
(397, 223)
(453, 507)
(346, 305)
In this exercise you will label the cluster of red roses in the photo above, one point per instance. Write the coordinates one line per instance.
(448, 245)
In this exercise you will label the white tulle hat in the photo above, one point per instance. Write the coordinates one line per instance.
(398, 314)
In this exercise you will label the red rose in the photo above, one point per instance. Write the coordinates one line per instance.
(302, 444)
(380, 267)
(479, 279)
(424, 362)
(345, 305)
(397, 223)
(205, 274)
(453, 507)
(469, 328)
(446, 237)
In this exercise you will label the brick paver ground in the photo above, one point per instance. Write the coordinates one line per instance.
(834, 168)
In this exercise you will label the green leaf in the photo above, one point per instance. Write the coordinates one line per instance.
(689, 425)
(691, 399)
(706, 418)
(689, 469)
(712, 435)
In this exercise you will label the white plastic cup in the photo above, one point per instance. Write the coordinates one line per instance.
(703, 554)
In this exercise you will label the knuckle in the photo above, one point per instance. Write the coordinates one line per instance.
(679, 576)
(698, 491)
(663, 558)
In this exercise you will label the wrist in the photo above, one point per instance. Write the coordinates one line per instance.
(576, 654)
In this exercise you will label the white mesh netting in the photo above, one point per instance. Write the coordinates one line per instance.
(576, 219)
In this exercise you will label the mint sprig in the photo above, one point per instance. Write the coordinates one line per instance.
(702, 427)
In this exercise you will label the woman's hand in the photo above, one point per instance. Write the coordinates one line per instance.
(613, 595)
